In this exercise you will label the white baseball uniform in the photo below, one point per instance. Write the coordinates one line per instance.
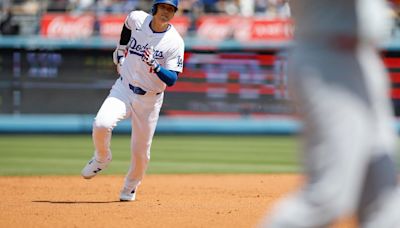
(138, 93)
(340, 86)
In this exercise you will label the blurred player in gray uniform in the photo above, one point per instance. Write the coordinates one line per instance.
(340, 86)
(149, 58)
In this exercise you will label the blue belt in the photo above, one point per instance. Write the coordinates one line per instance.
(138, 90)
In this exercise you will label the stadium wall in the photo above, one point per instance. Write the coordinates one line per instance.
(36, 119)
(71, 124)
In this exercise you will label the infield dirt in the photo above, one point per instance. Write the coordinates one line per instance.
(162, 201)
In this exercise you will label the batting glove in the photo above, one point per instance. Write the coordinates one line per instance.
(148, 58)
(119, 56)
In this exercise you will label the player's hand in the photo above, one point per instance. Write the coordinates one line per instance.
(119, 56)
(148, 58)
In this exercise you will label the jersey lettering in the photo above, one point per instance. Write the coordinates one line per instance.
(180, 61)
(138, 49)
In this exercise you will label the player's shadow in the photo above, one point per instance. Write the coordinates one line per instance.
(75, 202)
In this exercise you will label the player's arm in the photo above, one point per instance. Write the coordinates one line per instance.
(169, 77)
(119, 53)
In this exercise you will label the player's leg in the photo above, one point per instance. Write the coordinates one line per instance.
(380, 197)
(113, 109)
(144, 118)
(331, 94)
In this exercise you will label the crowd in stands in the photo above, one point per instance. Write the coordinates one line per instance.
(192, 8)
(231, 7)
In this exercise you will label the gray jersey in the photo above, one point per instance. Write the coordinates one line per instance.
(340, 86)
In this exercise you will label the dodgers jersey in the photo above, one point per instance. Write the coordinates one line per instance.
(168, 51)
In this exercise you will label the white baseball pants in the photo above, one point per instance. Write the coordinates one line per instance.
(143, 110)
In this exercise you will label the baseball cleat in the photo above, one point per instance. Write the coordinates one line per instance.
(127, 195)
(93, 167)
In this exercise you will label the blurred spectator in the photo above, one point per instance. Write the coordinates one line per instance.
(7, 25)
(115, 6)
(260, 6)
(395, 12)
(121, 6)
(185, 7)
(58, 5)
(272, 8)
(82, 5)
(192, 9)
(278, 9)
(210, 6)
(5, 4)
(230, 7)
(30, 7)
(131, 5)
(247, 7)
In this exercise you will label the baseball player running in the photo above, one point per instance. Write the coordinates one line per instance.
(149, 57)
(340, 85)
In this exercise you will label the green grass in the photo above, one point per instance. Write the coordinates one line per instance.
(67, 154)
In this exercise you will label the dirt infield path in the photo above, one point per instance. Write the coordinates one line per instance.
(162, 201)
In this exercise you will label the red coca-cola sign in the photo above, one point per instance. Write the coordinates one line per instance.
(67, 26)
(82, 26)
(216, 28)
(111, 25)
(220, 28)
(264, 30)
